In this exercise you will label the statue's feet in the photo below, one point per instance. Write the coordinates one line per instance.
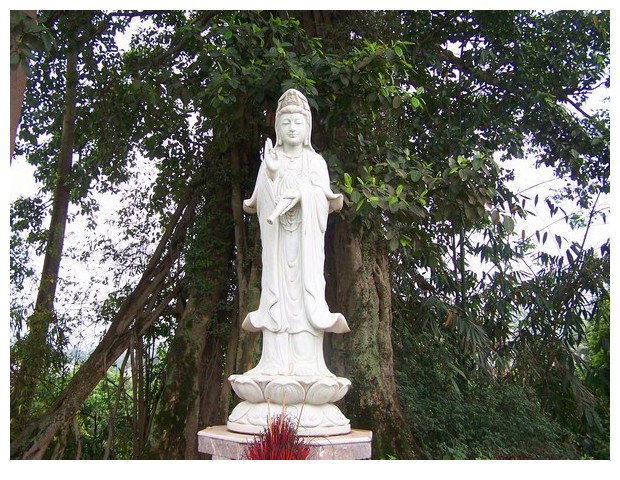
(266, 369)
(304, 372)
(311, 371)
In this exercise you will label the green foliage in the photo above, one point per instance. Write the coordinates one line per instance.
(454, 417)
(597, 378)
(94, 421)
(572, 292)
(27, 237)
(106, 113)
(29, 38)
(515, 328)
(598, 348)
(51, 352)
(105, 426)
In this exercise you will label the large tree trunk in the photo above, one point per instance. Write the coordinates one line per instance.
(192, 369)
(194, 360)
(242, 346)
(34, 352)
(358, 285)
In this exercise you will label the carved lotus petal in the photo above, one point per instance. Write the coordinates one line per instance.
(333, 416)
(311, 416)
(323, 391)
(246, 388)
(240, 411)
(284, 391)
(343, 385)
(258, 415)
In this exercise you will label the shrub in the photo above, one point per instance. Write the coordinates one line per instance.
(278, 441)
(453, 417)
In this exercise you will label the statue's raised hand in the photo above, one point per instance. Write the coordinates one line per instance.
(270, 157)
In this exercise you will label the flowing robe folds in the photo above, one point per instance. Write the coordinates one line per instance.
(293, 284)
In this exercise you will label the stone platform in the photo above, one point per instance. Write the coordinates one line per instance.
(223, 444)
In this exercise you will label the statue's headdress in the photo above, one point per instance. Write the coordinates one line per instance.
(293, 101)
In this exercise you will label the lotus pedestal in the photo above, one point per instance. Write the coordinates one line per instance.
(308, 401)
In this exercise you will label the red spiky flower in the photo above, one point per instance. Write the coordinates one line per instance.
(278, 441)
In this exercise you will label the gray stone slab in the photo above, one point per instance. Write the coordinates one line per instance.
(223, 444)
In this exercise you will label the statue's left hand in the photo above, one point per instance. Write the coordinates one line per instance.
(294, 196)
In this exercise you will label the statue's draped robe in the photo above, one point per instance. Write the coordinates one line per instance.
(293, 256)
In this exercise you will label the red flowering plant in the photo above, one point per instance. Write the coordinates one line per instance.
(278, 441)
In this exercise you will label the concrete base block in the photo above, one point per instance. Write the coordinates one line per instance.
(222, 444)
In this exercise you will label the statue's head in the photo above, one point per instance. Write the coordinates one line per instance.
(293, 101)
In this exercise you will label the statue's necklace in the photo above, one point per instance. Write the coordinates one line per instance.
(294, 161)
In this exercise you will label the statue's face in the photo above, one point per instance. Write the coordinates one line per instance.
(292, 128)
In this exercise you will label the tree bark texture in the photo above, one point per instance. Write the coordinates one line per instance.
(358, 285)
(242, 347)
(114, 409)
(191, 365)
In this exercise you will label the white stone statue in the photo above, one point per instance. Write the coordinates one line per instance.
(292, 198)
